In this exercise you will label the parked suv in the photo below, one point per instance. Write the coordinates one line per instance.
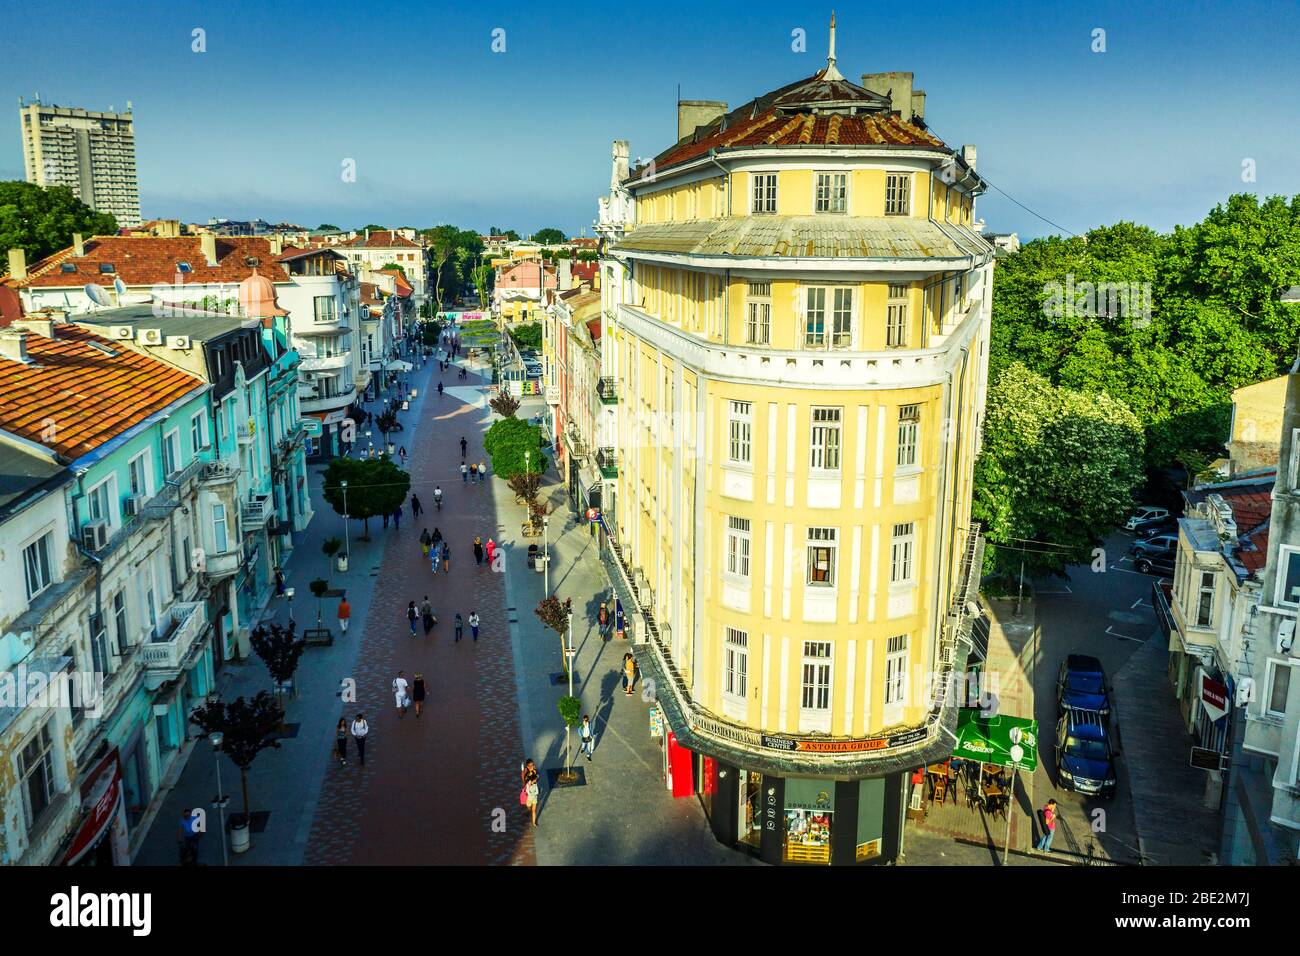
(1161, 564)
(1081, 685)
(1145, 515)
(1158, 544)
(1085, 762)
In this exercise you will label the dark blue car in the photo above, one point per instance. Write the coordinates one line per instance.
(1081, 685)
(1085, 762)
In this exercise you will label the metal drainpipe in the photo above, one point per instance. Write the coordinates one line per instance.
(952, 534)
(99, 565)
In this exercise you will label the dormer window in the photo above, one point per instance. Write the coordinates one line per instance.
(252, 261)
(184, 267)
(68, 267)
(107, 268)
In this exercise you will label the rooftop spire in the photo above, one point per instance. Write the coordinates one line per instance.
(831, 72)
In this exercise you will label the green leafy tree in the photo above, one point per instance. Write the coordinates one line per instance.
(376, 486)
(394, 265)
(571, 713)
(279, 648)
(504, 404)
(528, 336)
(554, 614)
(484, 277)
(328, 227)
(247, 728)
(514, 446)
(549, 236)
(373, 227)
(41, 221)
(1057, 471)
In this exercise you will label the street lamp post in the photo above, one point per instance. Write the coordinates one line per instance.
(347, 545)
(220, 800)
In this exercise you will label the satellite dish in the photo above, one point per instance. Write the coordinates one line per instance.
(119, 286)
(97, 294)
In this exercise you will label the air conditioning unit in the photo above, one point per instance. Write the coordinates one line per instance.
(947, 652)
(647, 597)
(133, 505)
(123, 332)
(639, 580)
(94, 535)
(151, 336)
(178, 341)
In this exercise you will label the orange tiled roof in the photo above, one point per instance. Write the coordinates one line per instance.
(381, 240)
(404, 288)
(73, 397)
(149, 260)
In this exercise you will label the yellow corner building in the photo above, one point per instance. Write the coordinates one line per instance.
(798, 303)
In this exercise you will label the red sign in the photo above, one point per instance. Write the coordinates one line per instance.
(100, 794)
(592, 514)
(1214, 696)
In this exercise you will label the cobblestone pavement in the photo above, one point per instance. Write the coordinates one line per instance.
(432, 786)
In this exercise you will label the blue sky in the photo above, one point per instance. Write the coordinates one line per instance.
(442, 129)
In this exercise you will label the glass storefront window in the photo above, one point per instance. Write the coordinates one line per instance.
(809, 816)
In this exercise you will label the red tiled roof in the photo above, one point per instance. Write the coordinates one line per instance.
(73, 397)
(593, 329)
(148, 261)
(381, 240)
(586, 271)
(404, 288)
(11, 305)
(1255, 559)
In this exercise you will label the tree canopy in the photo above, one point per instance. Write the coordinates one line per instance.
(328, 227)
(507, 442)
(376, 486)
(41, 221)
(549, 236)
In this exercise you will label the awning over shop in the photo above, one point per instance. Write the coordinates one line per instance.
(399, 366)
(1002, 740)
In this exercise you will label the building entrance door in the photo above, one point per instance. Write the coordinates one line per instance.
(750, 817)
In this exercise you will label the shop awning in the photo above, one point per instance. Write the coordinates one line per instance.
(399, 366)
(1003, 740)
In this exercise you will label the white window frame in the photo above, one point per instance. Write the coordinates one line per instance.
(146, 483)
(42, 543)
(175, 465)
(836, 200)
(220, 519)
(1202, 591)
(763, 193)
(903, 553)
(198, 431)
(735, 664)
(816, 685)
(758, 313)
(108, 501)
(909, 436)
(825, 440)
(45, 759)
(896, 316)
(1285, 554)
(822, 539)
(738, 548)
(893, 201)
(740, 432)
(1271, 669)
(896, 655)
(330, 314)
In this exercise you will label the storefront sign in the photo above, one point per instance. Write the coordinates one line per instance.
(101, 798)
(1214, 697)
(791, 744)
(656, 722)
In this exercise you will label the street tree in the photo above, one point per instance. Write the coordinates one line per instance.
(571, 713)
(247, 728)
(41, 220)
(555, 614)
(375, 487)
(504, 404)
(279, 648)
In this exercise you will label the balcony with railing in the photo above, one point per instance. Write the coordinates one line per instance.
(168, 650)
(700, 730)
(257, 512)
(607, 390)
(219, 471)
(308, 404)
(245, 431)
(607, 462)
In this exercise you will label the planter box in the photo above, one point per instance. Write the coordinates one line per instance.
(342, 562)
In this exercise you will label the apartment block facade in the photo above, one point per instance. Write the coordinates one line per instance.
(90, 152)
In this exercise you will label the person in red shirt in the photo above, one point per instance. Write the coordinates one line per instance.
(345, 614)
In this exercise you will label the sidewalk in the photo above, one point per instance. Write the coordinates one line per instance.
(286, 782)
(623, 813)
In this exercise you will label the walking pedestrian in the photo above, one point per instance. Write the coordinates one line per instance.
(620, 620)
(463, 445)
(341, 741)
(446, 558)
(482, 470)
(437, 536)
(435, 556)
(397, 517)
(473, 625)
(1048, 822)
(629, 674)
(279, 581)
(460, 627)
(412, 615)
(416, 507)
(529, 777)
(440, 389)
(426, 615)
(345, 614)
(426, 540)
(464, 473)
(402, 698)
(359, 731)
(478, 550)
(417, 693)
(401, 452)
(588, 738)
(437, 497)
(473, 472)
(491, 549)
(602, 620)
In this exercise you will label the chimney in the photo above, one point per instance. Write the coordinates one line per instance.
(918, 104)
(208, 243)
(39, 323)
(78, 247)
(968, 154)
(367, 235)
(17, 264)
(277, 245)
(897, 85)
(618, 171)
(565, 274)
(13, 345)
(693, 113)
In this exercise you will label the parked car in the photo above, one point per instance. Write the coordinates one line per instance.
(1085, 762)
(1145, 515)
(1161, 564)
(1154, 545)
(1168, 526)
(1081, 685)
